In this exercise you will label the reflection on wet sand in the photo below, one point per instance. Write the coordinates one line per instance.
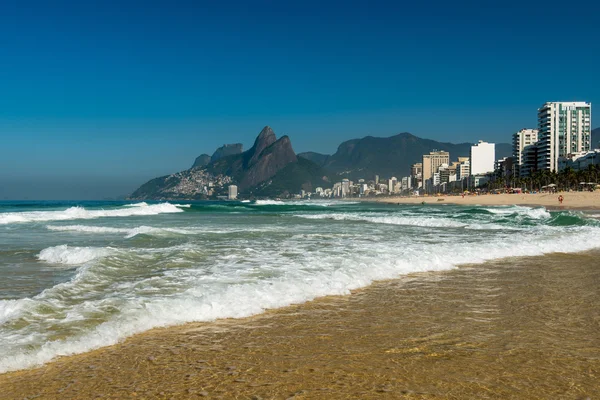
(525, 328)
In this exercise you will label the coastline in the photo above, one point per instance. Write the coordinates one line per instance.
(513, 328)
(572, 200)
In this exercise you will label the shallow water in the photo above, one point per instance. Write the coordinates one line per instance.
(83, 276)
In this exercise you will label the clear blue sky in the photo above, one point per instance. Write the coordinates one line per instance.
(98, 96)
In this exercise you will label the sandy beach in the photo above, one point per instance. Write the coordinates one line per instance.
(518, 328)
(572, 200)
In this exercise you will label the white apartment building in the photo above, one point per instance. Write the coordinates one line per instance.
(463, 168)
(564, 128)
(392, 184)
(521, 140)
(232, 192)
(483, 158)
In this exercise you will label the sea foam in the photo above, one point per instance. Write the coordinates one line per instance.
(64, 254)
(202, 279)
(72, 213)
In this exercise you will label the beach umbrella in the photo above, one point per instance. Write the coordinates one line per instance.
(551, 185)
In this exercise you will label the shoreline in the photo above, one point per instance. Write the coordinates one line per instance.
(572, 200)
(422, 335)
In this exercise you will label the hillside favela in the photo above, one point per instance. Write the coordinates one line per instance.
(299, 200)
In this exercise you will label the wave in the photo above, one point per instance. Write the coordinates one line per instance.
(128, 232)
(313, 276)
(139, 209)
(66, 255)
(318, 203)
(269, 203)
(533, 213)
(389, 220)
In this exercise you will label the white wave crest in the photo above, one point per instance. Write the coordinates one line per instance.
(64, 254)
(389, 220)
(128, 232)
(534, 213)
(269, 203)
(81, 213)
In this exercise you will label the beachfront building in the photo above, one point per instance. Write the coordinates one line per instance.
(483, 158)
(580, 161)
(564, 128)
(522, 140)
(392, 184)
(432, 162)
(416, 173)
(232, 192)
(530, 161)
(463, 168)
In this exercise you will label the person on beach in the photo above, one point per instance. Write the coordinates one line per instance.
(560, 199)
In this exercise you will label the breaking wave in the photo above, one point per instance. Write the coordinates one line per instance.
(72, 213)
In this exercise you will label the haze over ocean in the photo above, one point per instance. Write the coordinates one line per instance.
(96, 99)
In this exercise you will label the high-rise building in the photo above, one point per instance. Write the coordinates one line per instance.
(521, 140)
(432, 161)
(416, 169)
(232, 193)
(392, 184)
(564, 128)
(483, 158)
(463, 168)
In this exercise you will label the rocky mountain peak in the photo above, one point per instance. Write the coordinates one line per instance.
(226, 150)
(270, 160)
(201, 161)
(265, 138)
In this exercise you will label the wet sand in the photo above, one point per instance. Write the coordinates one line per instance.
(572, 200)
(519, 328)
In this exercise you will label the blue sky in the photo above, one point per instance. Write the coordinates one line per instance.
(97, 97)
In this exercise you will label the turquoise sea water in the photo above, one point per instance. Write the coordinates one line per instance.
(78, 276)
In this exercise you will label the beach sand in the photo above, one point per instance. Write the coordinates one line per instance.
(518, 328)
(572, 200)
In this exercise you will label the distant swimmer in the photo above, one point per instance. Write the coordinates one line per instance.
(560, 199)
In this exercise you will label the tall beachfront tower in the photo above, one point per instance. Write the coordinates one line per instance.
(432, 161)
(564, 128)
(483, 158)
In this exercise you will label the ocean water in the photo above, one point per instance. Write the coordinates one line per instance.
(79, 276)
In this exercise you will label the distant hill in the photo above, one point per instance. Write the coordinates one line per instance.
(391, 156)
(227, 150)
(269, 168)
(201, 161)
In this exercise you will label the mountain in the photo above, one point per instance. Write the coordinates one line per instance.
(227, 150)
(201, 160)
(264, 159)
(595, 138)
(391, 156)
(270, 168)
(317, 158)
